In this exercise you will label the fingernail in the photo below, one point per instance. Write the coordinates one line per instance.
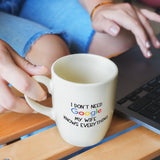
(39, 66)
(114, 30)
(157, 43)
(149, 54)
(44, 98)
(36, 92)
(148, 45)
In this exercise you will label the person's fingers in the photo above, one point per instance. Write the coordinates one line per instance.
(105, 25)
(146, 52)
(140, 35)
(27, 66)
(17, 77)
(10, 102)
(23, 82)
(142, 39)
(144, 19)
(151, 15)
(7, 53)
(130, 21)
(149, 31)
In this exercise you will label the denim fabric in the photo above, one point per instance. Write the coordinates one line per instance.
(66, 15)
(38, 17)
(21, 33)
(11, 6)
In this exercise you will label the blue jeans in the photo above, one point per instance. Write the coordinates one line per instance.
(63, 17)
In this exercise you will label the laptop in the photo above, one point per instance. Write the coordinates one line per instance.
(138, 90)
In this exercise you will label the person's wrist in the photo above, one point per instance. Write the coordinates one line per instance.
(99, 5)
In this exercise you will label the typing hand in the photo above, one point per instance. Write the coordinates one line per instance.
(110, 18)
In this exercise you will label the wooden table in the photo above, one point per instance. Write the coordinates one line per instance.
(125, 140)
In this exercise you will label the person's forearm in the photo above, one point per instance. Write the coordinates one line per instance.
(90, 4)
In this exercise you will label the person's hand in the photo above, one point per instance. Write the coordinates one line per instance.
(16, 71)
(109, 18)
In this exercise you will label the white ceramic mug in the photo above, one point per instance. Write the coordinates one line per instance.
(83, 90)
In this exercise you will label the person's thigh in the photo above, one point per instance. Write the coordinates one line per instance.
(46, 50)
(109, 46)
(67, 16)
(20, 33)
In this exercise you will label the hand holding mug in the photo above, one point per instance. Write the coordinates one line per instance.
(83, 90)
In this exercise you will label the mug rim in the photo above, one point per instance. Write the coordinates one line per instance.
(106, 80)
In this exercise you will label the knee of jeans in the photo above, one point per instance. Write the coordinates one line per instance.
(47, 49)
(48, 42)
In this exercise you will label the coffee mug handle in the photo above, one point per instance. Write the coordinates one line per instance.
(35, 105)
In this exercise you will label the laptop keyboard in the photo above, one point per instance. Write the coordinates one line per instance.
(145, 100)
